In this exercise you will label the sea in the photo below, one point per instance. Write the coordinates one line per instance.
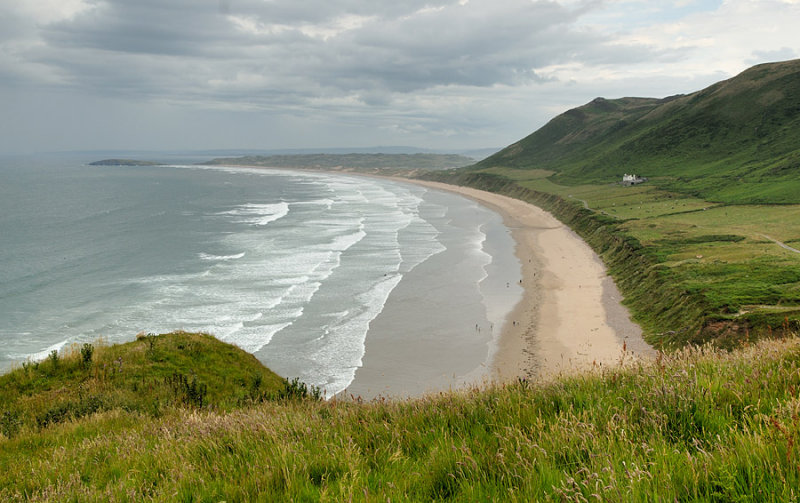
(291, 266)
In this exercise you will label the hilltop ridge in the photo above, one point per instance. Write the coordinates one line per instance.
(705, 248)
(734, 142)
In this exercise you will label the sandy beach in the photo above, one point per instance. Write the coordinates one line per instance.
(570, 316)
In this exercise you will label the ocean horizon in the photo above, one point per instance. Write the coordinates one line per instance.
(291, 266)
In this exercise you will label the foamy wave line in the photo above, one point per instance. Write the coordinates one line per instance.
(210, 257)
(488, 258)
(257, 338)
(328, 203)
(41, 355)
(344, 242)
(421, 232)
(170, 279)
(254, 317)
(261, 214)
(345, 344)
(225, 332)
(303, 287)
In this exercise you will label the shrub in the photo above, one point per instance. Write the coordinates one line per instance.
(151, 344)
(86, 354)
(72, 409)
(53, 358)
(9, 423)
(191, 393)
(255, 387)
(295, 389)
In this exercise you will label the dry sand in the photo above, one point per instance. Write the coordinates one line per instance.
(570, 317)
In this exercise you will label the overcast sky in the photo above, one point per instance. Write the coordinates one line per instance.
(449, 74)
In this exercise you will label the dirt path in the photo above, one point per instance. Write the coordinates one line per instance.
(782, 245)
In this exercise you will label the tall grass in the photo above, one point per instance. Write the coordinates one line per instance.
(700, 425)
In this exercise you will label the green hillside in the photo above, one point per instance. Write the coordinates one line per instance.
(150, 375)
(734, 142)
(709, 247)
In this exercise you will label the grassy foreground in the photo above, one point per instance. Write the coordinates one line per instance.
(700, 425)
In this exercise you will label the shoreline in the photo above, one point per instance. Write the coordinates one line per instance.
(441, 321)
(570, 317)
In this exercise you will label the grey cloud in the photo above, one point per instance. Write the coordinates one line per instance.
(412, 67)
(472, 46)
(12, 26)
(159, 28)
(445, 48)
(289, 12)
(400, 50)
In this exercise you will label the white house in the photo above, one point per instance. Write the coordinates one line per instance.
(628, 180)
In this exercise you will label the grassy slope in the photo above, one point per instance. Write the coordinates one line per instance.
(698, 426)
(149, 375)
(699, 260)
(733, 142)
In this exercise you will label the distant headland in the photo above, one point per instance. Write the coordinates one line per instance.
(359, 162)
(351, 162)
(124, 162)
